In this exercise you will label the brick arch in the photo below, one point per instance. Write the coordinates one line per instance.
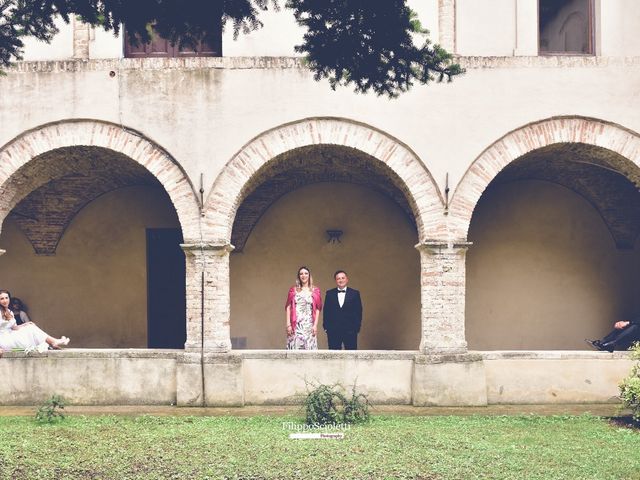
(231, 186)
(92, 133)
(537, 135)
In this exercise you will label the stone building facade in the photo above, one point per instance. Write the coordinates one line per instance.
(491, 223)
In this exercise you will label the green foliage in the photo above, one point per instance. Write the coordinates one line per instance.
(327, 404)
(51, 410)
(368, 44)
(630, 386)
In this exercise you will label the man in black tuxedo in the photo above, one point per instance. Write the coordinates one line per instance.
(342, 314)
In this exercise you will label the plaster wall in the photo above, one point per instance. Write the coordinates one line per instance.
(377, 251)
(619, 23)
(486, 27)
(60, 47)
(284, 379)
(101, 259)
(543, 271)
(90, 377)
(105, 44)
(202, 116)
(554, 377)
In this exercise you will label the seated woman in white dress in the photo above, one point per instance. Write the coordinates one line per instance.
(25, 336)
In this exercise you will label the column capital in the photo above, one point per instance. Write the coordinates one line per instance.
(440, 246)
(217, 247)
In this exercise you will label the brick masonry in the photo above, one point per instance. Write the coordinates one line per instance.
(70, 178)
(207, 271)
(442, 286)
(229, 189)
(447, 24)
(81, 37)
(312, 164)
(16, 181)
(561, 130)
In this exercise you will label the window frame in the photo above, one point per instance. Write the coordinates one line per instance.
(172, 51)
(591, 35)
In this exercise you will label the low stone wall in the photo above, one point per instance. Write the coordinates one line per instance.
(554, 376)
(275, 377)
(284, 377)
(89, 377)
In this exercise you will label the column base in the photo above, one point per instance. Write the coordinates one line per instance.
(449, 380)
(189, 391)
(224, 384)
(427, 349)
(218, 347)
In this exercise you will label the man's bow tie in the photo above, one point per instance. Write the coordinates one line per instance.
(342, 291)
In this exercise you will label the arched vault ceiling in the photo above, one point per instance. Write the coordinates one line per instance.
(598, 175)
(307, 165)
(51, 189)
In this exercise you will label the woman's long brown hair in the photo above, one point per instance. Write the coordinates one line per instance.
(6, 313)
(299, 283)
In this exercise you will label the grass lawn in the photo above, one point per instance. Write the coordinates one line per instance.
(446, 447)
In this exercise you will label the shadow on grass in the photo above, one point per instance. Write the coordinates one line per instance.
(625, 421)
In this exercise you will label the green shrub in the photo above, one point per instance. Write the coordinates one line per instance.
(51, 410)
(327, 404)
(630, 386)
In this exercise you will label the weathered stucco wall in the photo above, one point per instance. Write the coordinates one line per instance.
(203, 116)
(94, 290)
(90, 377)
(543, 271)
(377, 251)
(133, 377)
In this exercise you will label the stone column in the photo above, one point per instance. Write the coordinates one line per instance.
(214, 378)
(447, 25)
(208, 305)
(443, 297)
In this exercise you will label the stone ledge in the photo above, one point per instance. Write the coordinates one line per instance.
(423, 359)
(279, 63)
(116, 353)
(552, 355)
(328, 355)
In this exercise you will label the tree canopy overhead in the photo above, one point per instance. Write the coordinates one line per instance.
(376, 46)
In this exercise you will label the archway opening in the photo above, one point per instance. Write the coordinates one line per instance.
(282, 223)
(79, 227)
(555, 256)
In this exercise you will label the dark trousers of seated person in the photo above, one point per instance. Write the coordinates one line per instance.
(337, 339)
(623, 338)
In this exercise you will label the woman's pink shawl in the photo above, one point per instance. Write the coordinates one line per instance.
(316, 305)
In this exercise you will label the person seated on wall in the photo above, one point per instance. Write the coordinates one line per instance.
(19, 311)
(625, 333)
(23, 337)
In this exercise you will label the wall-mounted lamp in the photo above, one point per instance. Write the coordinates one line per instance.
(334, 236)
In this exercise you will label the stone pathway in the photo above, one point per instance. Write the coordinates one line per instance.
(601, 409)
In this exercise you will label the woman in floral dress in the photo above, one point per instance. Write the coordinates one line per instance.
(303, 306)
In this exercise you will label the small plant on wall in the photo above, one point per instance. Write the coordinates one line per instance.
(630, 386)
